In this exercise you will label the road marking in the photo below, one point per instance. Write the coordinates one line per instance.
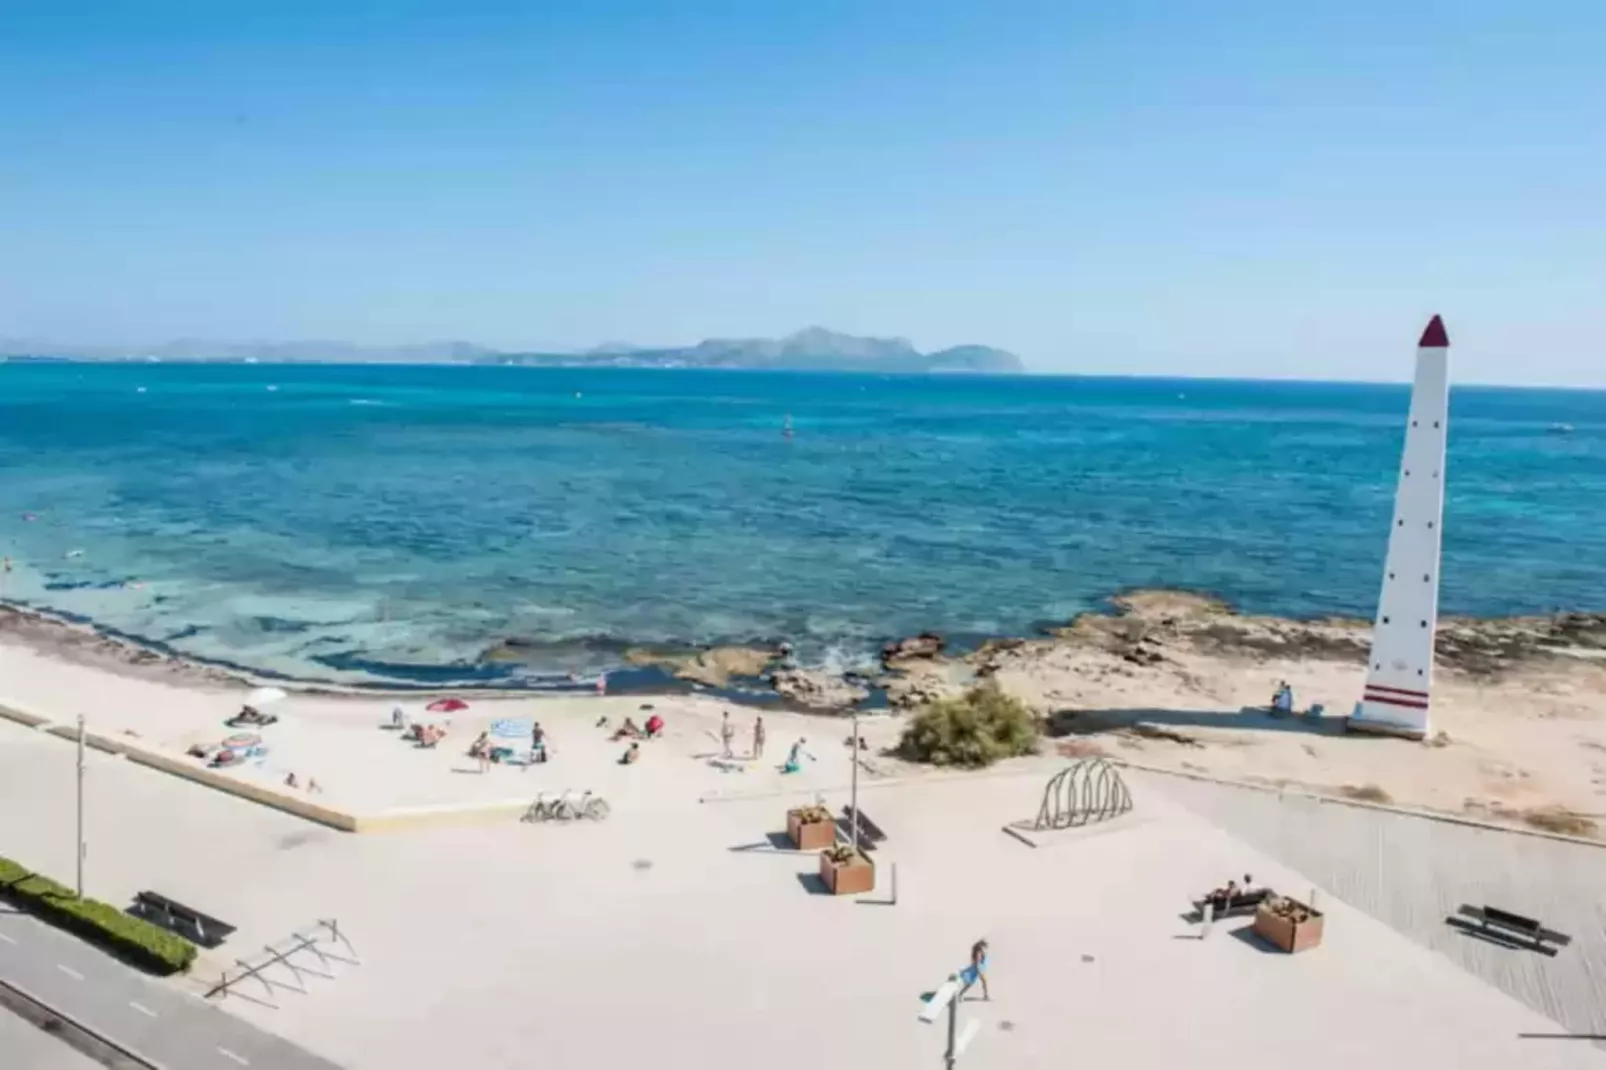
(7, 939)
(74, 974)
(237, 1058)
(142, 1008)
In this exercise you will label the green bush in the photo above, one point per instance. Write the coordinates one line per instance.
(134, 939)
(973, 730)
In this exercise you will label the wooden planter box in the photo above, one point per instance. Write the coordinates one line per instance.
(847, 878)
(1285, 934)
(809, 835)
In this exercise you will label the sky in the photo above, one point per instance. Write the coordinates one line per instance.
(1246, 188)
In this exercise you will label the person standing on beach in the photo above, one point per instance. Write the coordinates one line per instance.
(727, 735)
(976, 971)
(758, 737)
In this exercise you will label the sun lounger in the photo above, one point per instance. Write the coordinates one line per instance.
(1504, 927)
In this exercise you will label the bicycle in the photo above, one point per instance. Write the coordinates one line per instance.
(590, 806)
(564, 808)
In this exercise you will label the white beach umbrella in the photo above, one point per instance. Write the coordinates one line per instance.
(266, 696)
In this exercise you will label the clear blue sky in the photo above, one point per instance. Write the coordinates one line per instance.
(1234, 188)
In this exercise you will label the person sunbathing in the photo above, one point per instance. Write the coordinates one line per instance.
(632, 755)
(628, 730)
(249, 715)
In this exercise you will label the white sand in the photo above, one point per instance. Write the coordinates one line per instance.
(1535, 740)
(337, 740)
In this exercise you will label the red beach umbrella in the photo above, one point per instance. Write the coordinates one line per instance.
(447, 705)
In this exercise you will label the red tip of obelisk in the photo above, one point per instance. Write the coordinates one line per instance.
(1434, 337)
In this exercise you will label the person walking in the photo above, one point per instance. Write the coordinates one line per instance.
(727, 735)
(758, 737)
(976, 971)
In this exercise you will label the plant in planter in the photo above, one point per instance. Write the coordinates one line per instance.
(1288, 924)
(846, 871)
(810, 827)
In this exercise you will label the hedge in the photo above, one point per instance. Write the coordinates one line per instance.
(131, 938)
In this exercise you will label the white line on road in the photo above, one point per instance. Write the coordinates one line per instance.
(237, 1058)
(74, 974)
(7, 939)
(142, 1008)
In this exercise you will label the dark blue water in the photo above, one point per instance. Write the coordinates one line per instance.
(389, 522)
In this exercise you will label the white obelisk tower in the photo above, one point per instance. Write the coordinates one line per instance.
(1399, 678)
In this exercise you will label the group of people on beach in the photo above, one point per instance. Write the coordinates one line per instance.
(727, 744)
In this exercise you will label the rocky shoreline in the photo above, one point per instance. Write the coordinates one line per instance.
(1141, 630)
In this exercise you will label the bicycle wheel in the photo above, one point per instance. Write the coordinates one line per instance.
(597, 809)
(563, 810)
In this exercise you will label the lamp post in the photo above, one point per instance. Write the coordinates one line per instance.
(80, 806)
(855, 789)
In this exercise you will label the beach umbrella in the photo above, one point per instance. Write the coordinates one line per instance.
(266, 696)
(447, 705)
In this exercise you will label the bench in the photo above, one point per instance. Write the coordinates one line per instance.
(198, 928)
(1504, 927)
(1238, 906)
(870, 834)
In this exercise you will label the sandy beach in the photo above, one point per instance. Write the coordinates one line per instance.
(1164, 679)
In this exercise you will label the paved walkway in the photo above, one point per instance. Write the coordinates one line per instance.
(162, 1026)
(1410, 872)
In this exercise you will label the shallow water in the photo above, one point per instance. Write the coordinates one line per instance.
(374, 523)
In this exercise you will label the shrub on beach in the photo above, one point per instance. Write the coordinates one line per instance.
(134, 939)
(972, 730)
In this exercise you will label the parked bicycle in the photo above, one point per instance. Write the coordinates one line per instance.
(568, 807)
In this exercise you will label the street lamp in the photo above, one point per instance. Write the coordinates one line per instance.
(80, 806)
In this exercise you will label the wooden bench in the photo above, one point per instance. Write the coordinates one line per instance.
(1502, 926)
(198, 928)
(1236, 907)
(870, 834)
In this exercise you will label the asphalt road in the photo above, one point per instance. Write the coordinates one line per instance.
(24, 1046)
(159, 1025)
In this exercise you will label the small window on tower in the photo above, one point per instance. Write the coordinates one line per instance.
(1426, 578)
(1391, 575)
(1385, 620)
(1424, 624)
(1435, 423)
(1430, 525)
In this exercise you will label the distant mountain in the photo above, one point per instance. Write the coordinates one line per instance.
(812, 349)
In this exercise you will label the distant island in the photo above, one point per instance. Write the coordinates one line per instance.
(812, 349)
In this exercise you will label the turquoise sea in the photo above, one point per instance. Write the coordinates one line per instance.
(383, 523)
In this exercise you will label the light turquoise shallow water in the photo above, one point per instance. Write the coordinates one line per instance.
(388, 523)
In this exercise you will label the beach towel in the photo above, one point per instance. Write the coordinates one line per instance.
(512, 728)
